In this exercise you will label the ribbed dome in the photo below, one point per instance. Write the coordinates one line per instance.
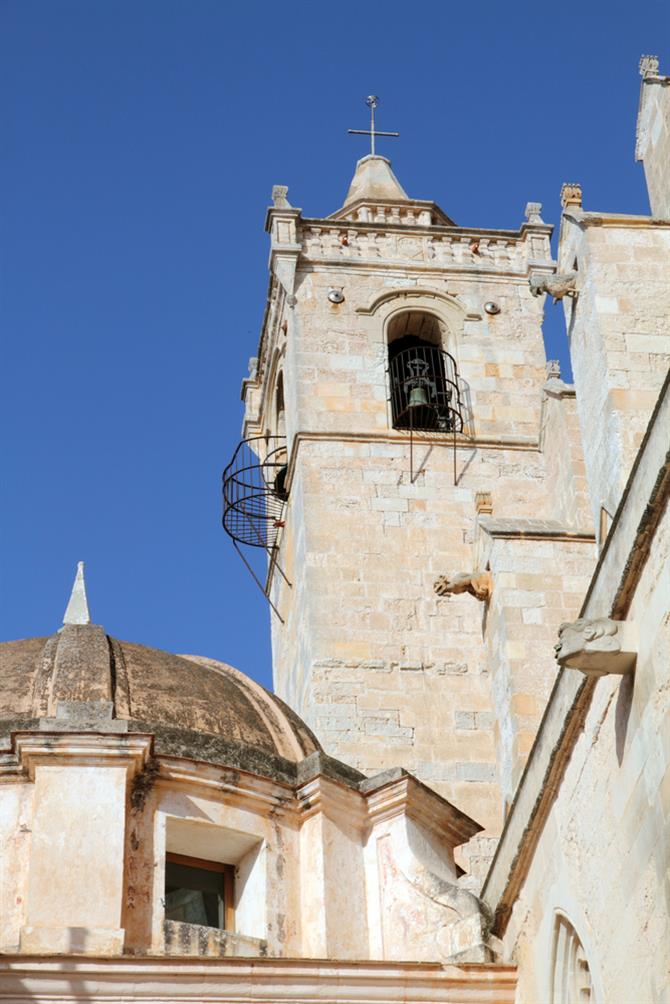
(185, 693)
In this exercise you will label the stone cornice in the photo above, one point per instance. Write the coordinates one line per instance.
(70, 749)
(434, 231)
(258, 981)
(249, 791)
(621, 220)
(461, 272)
(533, 529)
(335, 801)
(397, 793)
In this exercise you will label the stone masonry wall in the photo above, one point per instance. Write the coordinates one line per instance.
(619, 339)
(386, 672)
(603, 855)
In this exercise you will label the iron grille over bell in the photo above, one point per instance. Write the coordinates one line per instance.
(424, 390)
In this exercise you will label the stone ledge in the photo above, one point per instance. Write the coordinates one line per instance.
(164, 980)
(184, 939)
(533, 529)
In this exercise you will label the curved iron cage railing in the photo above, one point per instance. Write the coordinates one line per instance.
(424, 390)
(254, 494)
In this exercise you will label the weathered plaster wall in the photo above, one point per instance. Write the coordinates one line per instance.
(78, 815)
(15, 842)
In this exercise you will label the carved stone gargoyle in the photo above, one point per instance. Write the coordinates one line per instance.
(478, 584)
(598, 646)
(558, 285)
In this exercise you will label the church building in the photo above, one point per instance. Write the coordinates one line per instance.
(460, 788)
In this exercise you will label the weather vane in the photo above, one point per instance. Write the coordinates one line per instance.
(371, 101)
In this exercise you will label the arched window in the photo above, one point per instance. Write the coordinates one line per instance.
(571, 976)
(423, 377)
(280, 407)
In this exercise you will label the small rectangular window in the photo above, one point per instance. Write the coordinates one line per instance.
(604, 526)
(199, 892)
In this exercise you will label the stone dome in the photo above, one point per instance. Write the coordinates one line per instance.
(196, 707)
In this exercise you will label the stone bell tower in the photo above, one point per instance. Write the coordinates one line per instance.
(402, 357)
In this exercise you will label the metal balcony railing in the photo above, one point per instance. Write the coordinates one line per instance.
(254, 501)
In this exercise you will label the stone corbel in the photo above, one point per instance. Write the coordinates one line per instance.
(477, 584)
(597, 647)
(558, 285)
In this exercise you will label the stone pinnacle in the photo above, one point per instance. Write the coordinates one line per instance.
(77, 608)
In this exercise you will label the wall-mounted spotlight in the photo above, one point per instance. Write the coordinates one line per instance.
(491, 307)
(335, 295)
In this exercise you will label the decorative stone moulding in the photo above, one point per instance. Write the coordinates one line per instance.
(533, 212)
(279, 200)
(597, 647)
(571, 194)
(648, 66)
(484, 503)
(477, 584)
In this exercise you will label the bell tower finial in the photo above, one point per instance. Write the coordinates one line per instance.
(77, 608)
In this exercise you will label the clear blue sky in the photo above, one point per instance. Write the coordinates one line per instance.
(140, 142)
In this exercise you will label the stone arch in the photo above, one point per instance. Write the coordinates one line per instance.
(274, 384)
(419, 331)
(571, 981)
(448, 310)
(279, 404)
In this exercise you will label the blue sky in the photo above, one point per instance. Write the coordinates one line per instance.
(141, 139)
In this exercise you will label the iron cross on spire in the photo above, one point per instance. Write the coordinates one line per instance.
(371, 101)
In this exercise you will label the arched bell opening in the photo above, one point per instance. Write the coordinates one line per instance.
(423, 377)
(280, 427)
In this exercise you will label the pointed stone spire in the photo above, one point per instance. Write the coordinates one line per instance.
(374, 179)
(77, 608)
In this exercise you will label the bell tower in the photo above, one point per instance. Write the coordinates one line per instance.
(402, 358)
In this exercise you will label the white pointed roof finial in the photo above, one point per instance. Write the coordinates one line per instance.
(77, 608)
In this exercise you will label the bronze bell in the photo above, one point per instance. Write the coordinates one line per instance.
(418, 398)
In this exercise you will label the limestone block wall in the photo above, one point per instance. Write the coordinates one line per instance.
(561, 444)
(653, 135)
(384, 671)
(339, 351)
(603, 856)
(539, 576)
(619, 338)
